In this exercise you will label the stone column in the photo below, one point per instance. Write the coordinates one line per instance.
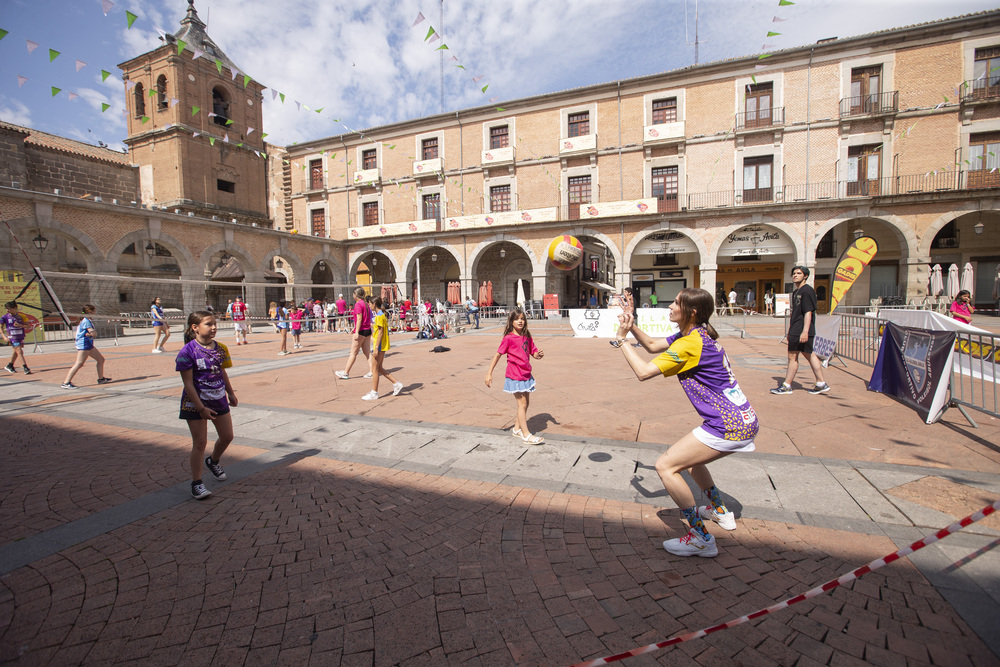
(708, 277)
(917, 275)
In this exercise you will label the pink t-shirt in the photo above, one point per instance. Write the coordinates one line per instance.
(341, 306)
(366, 316)
(296, 318)
(518, 350)
(960, 309)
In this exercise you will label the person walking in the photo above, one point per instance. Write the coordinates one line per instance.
(208, 396)
(732, 301)
(362, 333)
(519, 347)
(14, 325)
(160, 326)
(281, 314)
(380, 345)
(239, 313)
(85, 349)
(961, 308)
(801, 332)
(729, 421)
(471, 309)
(768, 302)
(751, 301)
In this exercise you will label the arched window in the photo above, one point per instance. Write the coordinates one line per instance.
(161, 92)
(140, 100)
(220, 106)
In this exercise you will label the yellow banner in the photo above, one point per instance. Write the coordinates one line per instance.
(29, 303)
(852, 263)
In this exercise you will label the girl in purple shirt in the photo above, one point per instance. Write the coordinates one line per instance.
(519, 347)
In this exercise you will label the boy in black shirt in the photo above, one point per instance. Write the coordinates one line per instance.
(801, 332)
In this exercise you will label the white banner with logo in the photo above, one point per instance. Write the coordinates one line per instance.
(827, 331)
(603, 322)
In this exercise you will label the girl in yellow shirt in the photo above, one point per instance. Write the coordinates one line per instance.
(380, 344)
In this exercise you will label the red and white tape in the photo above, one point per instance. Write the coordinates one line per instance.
(828, 586)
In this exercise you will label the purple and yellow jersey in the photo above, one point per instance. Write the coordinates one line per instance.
(703, 368)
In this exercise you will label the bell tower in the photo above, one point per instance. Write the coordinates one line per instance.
(195, 128)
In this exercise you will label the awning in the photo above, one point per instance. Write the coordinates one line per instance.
(596, 285)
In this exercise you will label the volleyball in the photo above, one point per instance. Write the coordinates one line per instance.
(565, 252)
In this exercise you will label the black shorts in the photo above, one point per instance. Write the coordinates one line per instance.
(365, 332)
(221, 407)
(795, 346)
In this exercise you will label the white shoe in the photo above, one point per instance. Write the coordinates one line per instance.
(157, 350)
(283, 353)
(368, 375)
(342, 375)
(692, 545)
(396, 388)
(370, 396)
(726, 521)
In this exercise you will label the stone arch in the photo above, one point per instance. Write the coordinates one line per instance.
(335, 268)
(924, 248)
(95, 258)
(185, 260)
(250, 270)
(605, 239)
(477, 252)
(908, 242)
(699, 242)
(430, 243)
(298, 266)
(356, 257)
(783, 227)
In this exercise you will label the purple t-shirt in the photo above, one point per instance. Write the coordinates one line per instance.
(518, 350)
(14, 324)
(360, 307)
(207, 364)
(707, 378)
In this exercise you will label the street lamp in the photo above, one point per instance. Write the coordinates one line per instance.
(858, 233)
(150, 249)
(979, 226)
(374, 261)
(434, 257)
(278, 264)
(503, 253)
(41, 243)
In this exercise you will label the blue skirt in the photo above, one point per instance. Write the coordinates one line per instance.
(519, 386)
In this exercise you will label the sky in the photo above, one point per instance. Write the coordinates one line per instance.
(364, 63)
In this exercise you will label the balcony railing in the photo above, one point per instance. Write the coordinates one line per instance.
(981, 90)
(760, 119)
(876, 104)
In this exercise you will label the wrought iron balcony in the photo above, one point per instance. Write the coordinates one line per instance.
(875, 104)
(760, 119)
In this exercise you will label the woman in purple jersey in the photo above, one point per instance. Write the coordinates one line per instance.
(730, 424)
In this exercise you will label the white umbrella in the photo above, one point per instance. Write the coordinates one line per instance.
(937, 281)
(520, 293)
(968, 281)
(953, 281)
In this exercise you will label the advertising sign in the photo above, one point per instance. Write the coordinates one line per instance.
(914, 365)
(603, 322)
(852, 263)
(550, 302)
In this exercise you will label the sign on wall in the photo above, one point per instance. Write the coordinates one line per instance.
(756, 240)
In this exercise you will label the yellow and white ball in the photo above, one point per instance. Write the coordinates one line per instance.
(565, 252)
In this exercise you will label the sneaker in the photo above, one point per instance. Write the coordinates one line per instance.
(342, 375)
(283, 353)
(368, 375)
(216, 469)
(10, 368)
(820, 389)
(692, 545)
(370, 396)
(103, 380)
(782, 389)
(27, 371)
(726, 520)
(199, 491)
(157, 350)
(396, 388)
(68, 385)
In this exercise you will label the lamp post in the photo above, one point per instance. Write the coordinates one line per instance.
(979, 227)
(41, 243)
(150, 249)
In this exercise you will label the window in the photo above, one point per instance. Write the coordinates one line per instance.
(369, 159)
(498, 137)
(825, 247)
(140, 100)
(370, 213)
(429, 149)
(986, 73)
(579, 124)
(579, 193)
(318, 219)
(432, 206)
(220, 107)
(499, 198)
(225, 186)
(664, 182)
(984, 160)
(161, 92)
(665, 111)
(757, 178)
(315, 174)
(864, 169)
(865, 89)
(758, 105)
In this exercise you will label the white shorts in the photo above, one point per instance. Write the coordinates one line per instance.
(720, 444)
(240, 326)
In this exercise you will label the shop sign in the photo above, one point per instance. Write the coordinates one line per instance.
(755, 240)
(671, 243)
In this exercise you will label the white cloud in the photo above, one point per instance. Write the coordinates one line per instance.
(15, 112)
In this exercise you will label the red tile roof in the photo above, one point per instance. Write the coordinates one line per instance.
(64, 145)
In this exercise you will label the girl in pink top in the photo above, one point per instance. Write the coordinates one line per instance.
(961, 308)
(361, 333)
(296, 318)
(519, 348)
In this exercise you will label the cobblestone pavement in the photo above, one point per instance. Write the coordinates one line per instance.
(355, 534)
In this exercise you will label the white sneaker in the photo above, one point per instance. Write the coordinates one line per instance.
(342, 375)
(396, 388)
(726, 520)
(368, 375)
(157, 350)
(692, 545)
(283, 353)
(370, 396)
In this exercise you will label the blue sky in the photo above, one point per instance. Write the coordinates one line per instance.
(365, 64)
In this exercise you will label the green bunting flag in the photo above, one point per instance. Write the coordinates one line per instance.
(430, 33)
(246, 80)
(443, 47)
(3, 33)
(229, 122)
(218, 65)
(764, 55)
(772, 34)
(105, 74)
(56, 91)
(152, 92)
(211, 141)
(144, 119)
(460, 66)
(785, 3)
(53, 54)
(105, 106)
(485, 87)
(282, 96)
(180, 46)
(195, 110)
(130, 17)
(318, 110)
(500, 109)
(263, 135)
